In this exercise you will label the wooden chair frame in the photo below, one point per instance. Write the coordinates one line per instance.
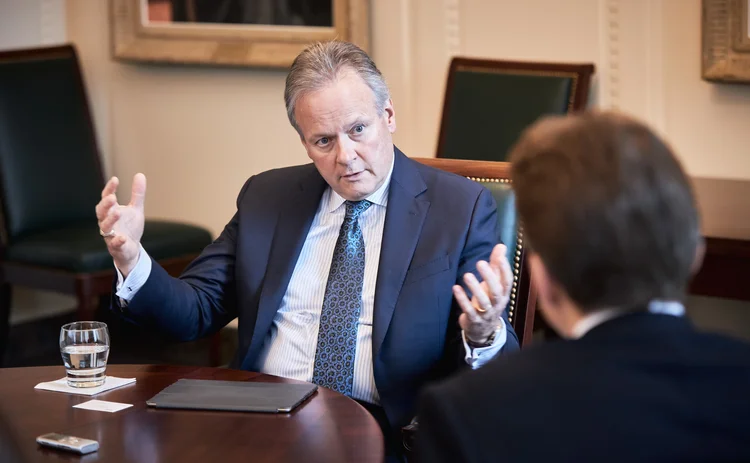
(579, 73)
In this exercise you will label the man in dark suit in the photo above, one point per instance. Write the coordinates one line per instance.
(611, 219)
(340, 271)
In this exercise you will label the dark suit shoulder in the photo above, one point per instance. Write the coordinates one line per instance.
(635, 347)
(269, 184)
(282, 176)
(512, 374)
(650, 379)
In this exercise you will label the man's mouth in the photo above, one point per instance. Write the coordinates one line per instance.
(352, 176)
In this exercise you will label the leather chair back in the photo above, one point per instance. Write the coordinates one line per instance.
(489, 103)
(50, 174)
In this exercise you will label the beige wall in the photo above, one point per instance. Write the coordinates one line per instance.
(31, 23)
(708, 124)
(198, 133)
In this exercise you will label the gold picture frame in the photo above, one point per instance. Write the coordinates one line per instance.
(726, 41)
(136, 37)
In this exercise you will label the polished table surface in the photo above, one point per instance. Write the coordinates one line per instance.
(328, 427)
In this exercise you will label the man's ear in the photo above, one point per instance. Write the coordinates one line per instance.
(390, 114)
(540, 278)
(549, 290)
(553, 301)
(700, 253)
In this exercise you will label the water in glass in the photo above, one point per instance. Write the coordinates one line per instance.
(85, 348)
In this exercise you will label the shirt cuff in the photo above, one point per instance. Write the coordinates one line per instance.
(479, 356)
(128, 287)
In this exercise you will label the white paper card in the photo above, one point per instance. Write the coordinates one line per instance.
(61, 385)
(102, 406)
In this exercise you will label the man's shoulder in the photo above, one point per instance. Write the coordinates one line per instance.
(533, 373)
(516, 375)
(269, 187)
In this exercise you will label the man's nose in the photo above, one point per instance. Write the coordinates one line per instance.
(346, 152)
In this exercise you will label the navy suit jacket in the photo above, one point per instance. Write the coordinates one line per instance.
(639, 388)
(437, 226)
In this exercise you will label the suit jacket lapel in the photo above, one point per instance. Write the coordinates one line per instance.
(291, 230)
(403, 224)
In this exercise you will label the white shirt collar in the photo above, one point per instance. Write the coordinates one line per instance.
(379, 196)
(594, 319)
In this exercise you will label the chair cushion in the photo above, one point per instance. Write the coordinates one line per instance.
(79, 248)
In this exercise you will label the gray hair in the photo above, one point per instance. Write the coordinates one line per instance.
(321, 64)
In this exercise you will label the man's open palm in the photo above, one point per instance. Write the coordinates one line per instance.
(126, 221)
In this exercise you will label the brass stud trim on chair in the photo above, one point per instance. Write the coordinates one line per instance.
(519, 238)
(489, 180)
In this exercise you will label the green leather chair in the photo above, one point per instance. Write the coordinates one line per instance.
(489, 103)
(51, 180)
(495, 176)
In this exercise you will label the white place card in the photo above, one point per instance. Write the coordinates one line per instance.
(102, 406)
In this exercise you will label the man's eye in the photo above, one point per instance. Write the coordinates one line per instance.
(323, 141)
(359, 128)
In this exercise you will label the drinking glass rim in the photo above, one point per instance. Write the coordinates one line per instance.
(101, 325)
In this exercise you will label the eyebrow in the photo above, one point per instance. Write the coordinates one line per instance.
(317, 136)
(358, 121)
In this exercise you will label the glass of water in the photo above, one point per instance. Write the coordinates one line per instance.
(85, 347)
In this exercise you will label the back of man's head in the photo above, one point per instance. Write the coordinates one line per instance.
(608, 209)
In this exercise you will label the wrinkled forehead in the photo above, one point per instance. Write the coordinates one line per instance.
(336, 105)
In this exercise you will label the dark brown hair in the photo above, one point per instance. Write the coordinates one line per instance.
(608, 209)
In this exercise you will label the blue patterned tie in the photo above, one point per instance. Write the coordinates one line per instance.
(337, 336)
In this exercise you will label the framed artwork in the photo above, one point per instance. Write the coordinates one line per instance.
(726, 41)
(266, 33)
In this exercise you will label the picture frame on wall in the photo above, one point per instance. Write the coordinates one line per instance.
(262, 33)
(726, 41)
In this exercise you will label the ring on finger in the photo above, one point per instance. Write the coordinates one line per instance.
(109, 234)
(479, 309)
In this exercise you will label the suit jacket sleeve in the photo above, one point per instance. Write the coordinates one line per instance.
(201, 301)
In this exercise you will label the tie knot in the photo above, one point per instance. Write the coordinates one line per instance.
(355, 208)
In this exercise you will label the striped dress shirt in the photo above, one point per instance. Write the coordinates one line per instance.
(289, 347)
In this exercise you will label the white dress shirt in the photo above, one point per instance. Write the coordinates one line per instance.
(290, 345)
(594, 319)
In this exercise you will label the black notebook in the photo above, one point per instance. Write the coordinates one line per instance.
(198, 394)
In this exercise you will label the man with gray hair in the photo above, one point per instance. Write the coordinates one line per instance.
(341, 271)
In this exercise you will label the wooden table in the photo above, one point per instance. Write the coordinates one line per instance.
(328, 427)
